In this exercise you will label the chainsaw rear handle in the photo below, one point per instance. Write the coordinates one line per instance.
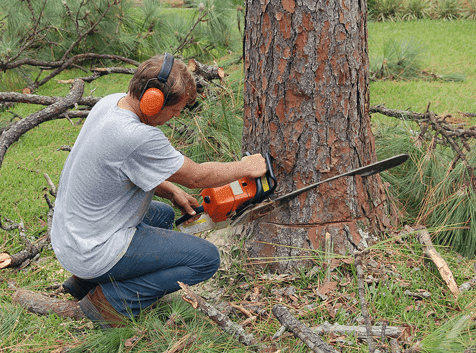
(187, 216)
(260, 193)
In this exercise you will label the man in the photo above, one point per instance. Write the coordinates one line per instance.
(118, 243)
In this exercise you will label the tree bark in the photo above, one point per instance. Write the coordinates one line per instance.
(306, 102)
(39, 303)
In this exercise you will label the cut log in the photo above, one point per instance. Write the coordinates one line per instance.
(304, 333)
(206, 71)
(441, 265)
(17, 259)
(39, 303)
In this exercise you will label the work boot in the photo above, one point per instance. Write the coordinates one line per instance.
(98, 309)
(78, 287)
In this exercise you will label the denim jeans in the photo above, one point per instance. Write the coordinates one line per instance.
(155, 260)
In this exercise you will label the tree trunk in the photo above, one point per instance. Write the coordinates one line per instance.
(306, 102)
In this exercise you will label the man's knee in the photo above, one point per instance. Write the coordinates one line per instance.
(213, 259)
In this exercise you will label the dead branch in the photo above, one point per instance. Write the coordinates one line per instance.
(39, 303)
(99, 72)
(361, 331)
(46, 114)
(430, 251)
(43, 100)
(22, 259)
(221, 320)
(53, 190)
(304, 333)
(443, 132)
(363, 302)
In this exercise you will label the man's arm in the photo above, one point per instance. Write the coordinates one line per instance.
(213, 174)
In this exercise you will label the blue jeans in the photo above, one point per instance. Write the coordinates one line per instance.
(155, 260)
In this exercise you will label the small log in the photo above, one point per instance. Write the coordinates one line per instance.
(39, 303)
(17, 259)
(206, 71)
(304, 333)
(361, 331)
(221, 320)
(441, 265)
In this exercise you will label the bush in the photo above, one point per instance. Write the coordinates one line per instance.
(415, 9)
(446, 9)
(385, 10)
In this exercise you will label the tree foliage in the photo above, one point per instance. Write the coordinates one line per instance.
(50, 36)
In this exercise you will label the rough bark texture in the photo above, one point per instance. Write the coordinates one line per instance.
(306, 102)
(39, 303)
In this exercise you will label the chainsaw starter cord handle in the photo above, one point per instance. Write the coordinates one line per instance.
(187, 216)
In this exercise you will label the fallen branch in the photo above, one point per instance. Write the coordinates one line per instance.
(443, 132)
(20, 127)
(43, 100)
(221, 320)
(42, 304)
(361, 331)
(430, 251)
(304, 333)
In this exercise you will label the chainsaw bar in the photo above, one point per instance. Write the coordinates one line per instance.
(256, 211)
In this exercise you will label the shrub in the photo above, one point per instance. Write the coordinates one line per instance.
(401, 60)
(385, 10)
(446, 9)
(415, 9)
(469, 9)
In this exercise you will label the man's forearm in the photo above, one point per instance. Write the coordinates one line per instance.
(166, 190)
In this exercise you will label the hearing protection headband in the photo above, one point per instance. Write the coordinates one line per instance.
(163, 75)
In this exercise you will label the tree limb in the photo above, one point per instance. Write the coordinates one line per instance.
(311, 339)
(46, 114)
(221, 320)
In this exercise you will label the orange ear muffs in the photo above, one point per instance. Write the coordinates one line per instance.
(152, 101)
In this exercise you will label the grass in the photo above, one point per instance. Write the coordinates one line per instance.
(392, 266)
(447, 48)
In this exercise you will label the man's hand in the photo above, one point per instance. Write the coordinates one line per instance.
(180, 199)
(184, 202)
(255, 165)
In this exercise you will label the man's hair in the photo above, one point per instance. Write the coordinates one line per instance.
(179, 84)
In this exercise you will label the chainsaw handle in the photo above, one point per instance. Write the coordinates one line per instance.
(187, 216)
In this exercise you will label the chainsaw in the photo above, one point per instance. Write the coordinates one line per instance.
(248, 199)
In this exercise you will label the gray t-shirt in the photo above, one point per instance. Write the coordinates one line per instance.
(106, 186)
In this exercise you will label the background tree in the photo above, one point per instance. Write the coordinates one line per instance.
(306, 102)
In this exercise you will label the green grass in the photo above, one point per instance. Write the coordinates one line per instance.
(449, 48)
(401, 265)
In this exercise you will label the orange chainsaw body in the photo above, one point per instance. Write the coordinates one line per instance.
(219, 202)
